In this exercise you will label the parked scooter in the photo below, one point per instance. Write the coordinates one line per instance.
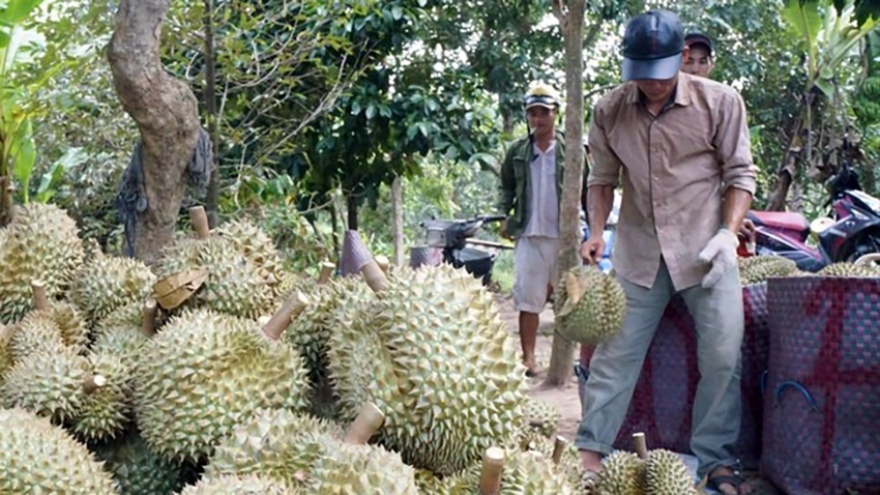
(852, 231)
(453, 236)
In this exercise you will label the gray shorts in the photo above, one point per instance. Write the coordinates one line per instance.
(534, 261)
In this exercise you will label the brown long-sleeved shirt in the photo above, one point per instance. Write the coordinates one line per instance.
(674, 168)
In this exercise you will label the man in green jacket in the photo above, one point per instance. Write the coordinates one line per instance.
(531, 187)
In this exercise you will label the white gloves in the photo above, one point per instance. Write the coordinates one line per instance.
(721, 252)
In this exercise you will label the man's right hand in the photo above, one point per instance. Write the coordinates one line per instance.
(592, 249)
(504, 233)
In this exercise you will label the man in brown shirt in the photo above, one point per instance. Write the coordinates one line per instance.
(679, 146)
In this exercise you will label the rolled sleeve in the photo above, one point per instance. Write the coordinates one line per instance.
(733, 145)
(605, 170)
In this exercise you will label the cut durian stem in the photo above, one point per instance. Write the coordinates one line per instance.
(93, 383)
(868, 259)
(374, 276)
(148, 325)
(383, 263)
(199, 220)
(641, 445)
(559, 449)
(292, 307)
(41, 301)
(490, 475)
(326, 272)
(365, 425)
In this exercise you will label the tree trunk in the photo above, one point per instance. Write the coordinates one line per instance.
(213, 200)
(572, 22)
(397, 219)
(352, 207)
(166, 113)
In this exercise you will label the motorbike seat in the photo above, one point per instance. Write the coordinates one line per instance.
(781, 220)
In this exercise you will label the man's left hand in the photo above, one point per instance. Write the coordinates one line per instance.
(721, 252)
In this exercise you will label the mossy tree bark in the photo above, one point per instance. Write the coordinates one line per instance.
(166, 113)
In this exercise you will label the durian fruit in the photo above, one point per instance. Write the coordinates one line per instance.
(428, 483)
(276, 444)
(347, 469)
(41, 243)
(105, 412)
(757, 269)
(590, 306)
(49, 383)
(623, 473)
(48, 327)
(234, 286)
(5, 351)
(435, 355)
(667, 474)
(137, 470)
(847, 269)
(126, 331)
(522, 473)
(109, 282)
(563, 454)
(541, 416)
(204, 373)
(239, 485)
(38, 457)
(252, 241)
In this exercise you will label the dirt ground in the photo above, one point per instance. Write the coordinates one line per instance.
(566, 399)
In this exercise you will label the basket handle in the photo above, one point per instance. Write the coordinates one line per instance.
(798, 386)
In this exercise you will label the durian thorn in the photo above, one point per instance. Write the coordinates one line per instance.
(41, 301)
(326, 272)
(199, 220)
(558, 449)
(490, 475)
(96, 251)
(149, 310)
(641, 445)
(93, 383)
(289, 310)
(365, 425)
(374, 276)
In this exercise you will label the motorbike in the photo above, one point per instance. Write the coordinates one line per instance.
(852, 230)
(452, 237)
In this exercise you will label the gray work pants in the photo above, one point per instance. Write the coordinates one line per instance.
(616, 365)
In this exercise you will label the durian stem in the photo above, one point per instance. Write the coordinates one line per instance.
(490, 476)
(292, 307)
(93, 383)
(199, 220)
(365, 425)
(868, 258)
(558, 449)
(641, 445)
(326, 272)
(383, 263)
(41, 301)
(374, 276)
(148, 325)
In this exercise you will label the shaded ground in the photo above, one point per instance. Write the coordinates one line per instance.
(566, 399)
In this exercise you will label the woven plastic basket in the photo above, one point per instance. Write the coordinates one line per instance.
(822, 413)
(664, 395)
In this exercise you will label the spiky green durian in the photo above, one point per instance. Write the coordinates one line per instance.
(47, 330)
(42, 243)
(126, 343)
(234, 285)
(105, 412)
(570, 464)
(110, 282)
(204, 373)
(623, 473)
(137, 470)
(235, 485)
(428, 483)
(667, 474)
(5, 351)
(435, 356)
(590, 305)
(847, 269)
(47, 383)
(757, 269)
(276, 444)
(345, 469)
(541, 416)
(254, 243)
(38, 457)
(524, 472)
(128, 316)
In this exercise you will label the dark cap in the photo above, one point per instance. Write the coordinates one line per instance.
(697, 38)
(652, 46)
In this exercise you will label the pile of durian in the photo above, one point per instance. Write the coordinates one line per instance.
(218, 371)
(758, 269)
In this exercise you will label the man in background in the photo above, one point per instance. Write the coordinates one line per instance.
(699, 60)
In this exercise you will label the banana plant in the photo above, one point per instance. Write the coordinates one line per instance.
(17, 150)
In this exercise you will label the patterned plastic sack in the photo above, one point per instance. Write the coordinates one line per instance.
(664, 395)
(822, 413)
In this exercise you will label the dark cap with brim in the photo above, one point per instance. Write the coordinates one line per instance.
(659, 68)
(699, 39)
